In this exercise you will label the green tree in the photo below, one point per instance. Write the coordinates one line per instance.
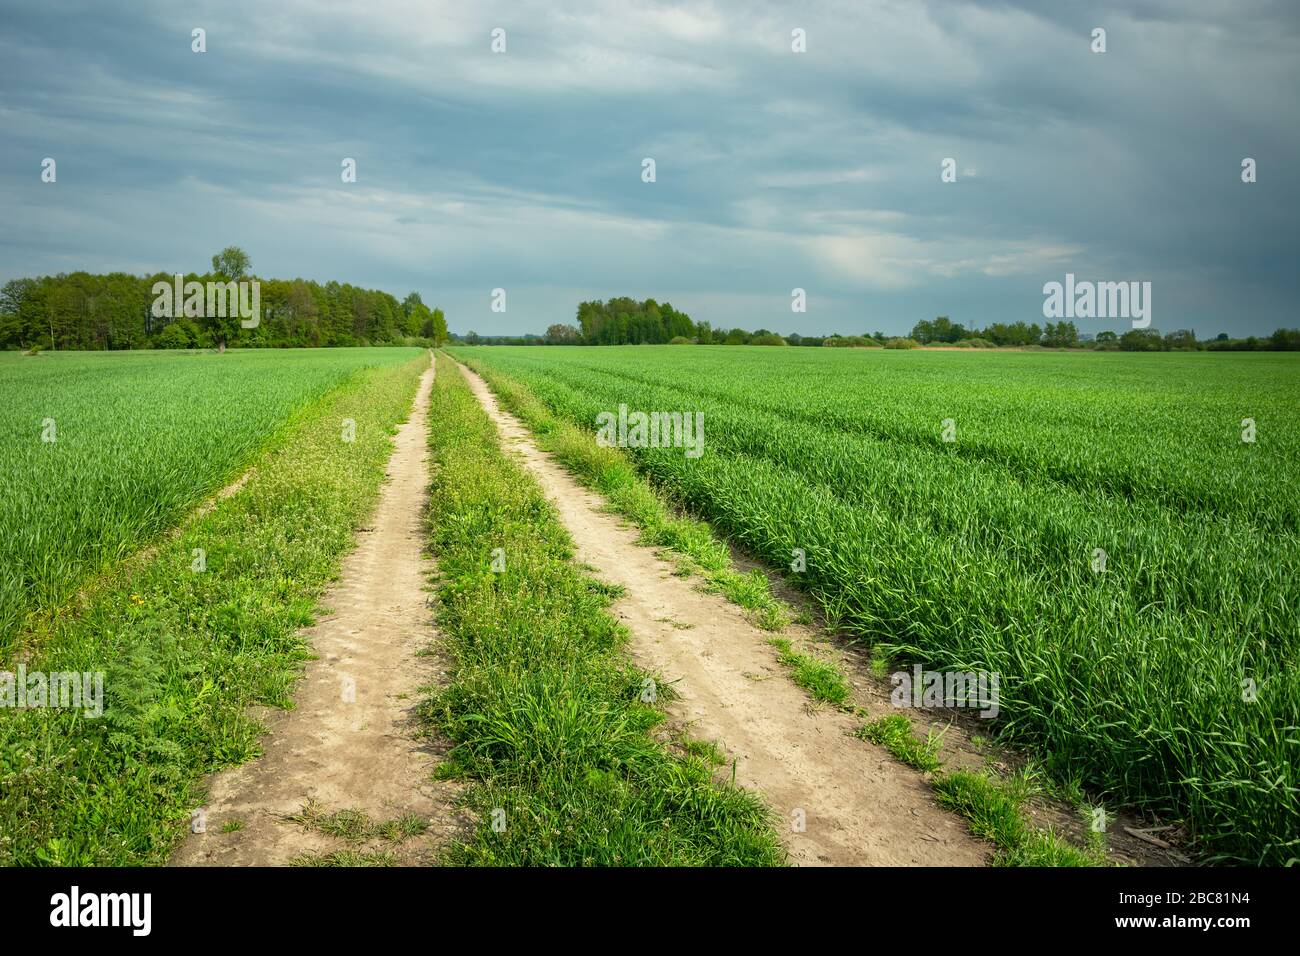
(438, 328)
(1285, 340)
(1140, 340)
(561, 334)
(418, 322)
(1060, 335)
(411, 301)
(232, 262)
(180, 334)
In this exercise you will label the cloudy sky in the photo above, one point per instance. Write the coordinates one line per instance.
(774, 169)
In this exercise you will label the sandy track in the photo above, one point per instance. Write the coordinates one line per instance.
(858, 805)
(349, 742)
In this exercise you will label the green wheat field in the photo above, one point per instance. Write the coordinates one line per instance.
(1115, 535)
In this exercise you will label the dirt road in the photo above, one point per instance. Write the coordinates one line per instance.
(843, 801)
(350, 742)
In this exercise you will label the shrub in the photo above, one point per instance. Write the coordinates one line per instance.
(1141, 340)
(898, 343)
(177, 335)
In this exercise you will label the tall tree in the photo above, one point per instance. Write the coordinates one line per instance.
(232, 262)
(561, 334)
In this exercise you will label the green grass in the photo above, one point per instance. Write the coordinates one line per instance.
(139, 439)
(552, 725)
(822, 679)
(356, 826)
(185, 654)
(994, 810)
(977, 554)
(894, 733)
(993, 807)
(351, 859)
(706, 750)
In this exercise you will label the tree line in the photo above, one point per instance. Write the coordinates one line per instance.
(81, 310)
(1065, 335)
(625, 321)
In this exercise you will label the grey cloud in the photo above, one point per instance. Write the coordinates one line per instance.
(774, 170)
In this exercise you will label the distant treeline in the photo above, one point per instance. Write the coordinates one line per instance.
(624, 321)
(1064, 335)
(116, 311)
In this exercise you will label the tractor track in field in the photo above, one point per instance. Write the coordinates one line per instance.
(351, 742)
(858, 806)
(26, 645)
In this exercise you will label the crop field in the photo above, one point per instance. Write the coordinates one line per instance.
(1117, 536)
(100, 452)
